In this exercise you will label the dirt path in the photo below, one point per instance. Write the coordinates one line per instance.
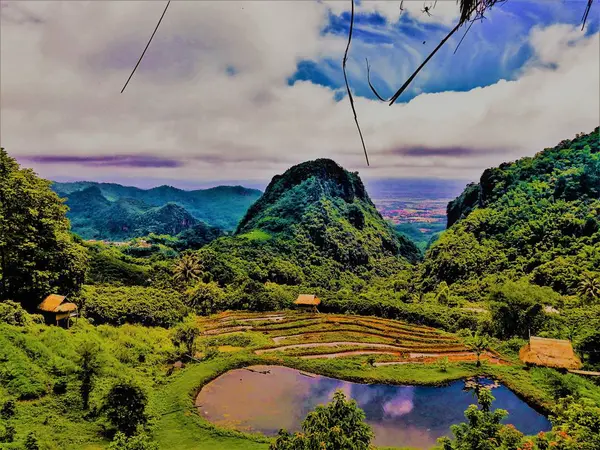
(350, 353)
(254, 319)
(333, 344)
(405, 336)
(227, 330)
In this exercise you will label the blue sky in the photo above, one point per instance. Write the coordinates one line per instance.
(238, 91)
(495, 48)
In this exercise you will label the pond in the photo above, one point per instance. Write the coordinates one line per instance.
(412, 416)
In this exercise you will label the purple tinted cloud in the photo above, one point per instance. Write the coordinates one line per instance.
(435, 151)
(106, 161)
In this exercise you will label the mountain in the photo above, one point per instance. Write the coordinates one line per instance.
(328, 206)
(314, 226)
(221, 206)
(538, 217)
(94, 216)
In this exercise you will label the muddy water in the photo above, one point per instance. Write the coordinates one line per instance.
(413, 416)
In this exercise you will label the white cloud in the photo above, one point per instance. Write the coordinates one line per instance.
(61, 79)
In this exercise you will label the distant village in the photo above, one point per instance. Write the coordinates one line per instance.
(417, 211)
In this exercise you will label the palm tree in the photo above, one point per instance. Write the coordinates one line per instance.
(589, 288)
(187, 269)
(478, 343)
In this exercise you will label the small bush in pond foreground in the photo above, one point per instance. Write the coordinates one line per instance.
(337, 426)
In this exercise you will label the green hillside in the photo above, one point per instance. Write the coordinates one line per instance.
(538, 218)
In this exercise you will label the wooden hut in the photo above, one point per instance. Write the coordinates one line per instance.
(310, 302)
(557, 353)
(55, 309)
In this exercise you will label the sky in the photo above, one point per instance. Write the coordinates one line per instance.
(238, 91)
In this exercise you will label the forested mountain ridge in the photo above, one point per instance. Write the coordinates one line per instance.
(330, 207)
(537, 217)
(221, 206)
(93, 216)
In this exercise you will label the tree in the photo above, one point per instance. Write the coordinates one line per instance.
(187, 269)
(589, 288)
(89, 366)
(479, 343)
(204, 298)
(37, 253)
(185, 334)
(337, 426)
(443, 293)
(517, 307)
(483, 430)
(125, 407)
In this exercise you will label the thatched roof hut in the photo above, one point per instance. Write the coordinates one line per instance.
(51, 302)
(557, 353)
(309, 301)
(54, 308)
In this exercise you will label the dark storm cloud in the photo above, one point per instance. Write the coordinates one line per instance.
(106, 161)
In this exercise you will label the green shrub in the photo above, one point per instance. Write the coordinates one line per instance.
(125, 407)
(132, 304)
(31, 442)
(7, 432)
(37, 319)
(442, 364)
(8, 409)
(139, 441)
(12, 313)
(210, 353)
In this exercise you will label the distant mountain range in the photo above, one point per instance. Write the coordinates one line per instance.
(113, 211)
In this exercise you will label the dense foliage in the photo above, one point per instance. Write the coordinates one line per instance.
(537, 217)
(37, 253)
(144, 305)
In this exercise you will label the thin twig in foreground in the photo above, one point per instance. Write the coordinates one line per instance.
(371, 85)
(412, 77)
(147, 45)
(464, 36)
(348, 86)
(585, 14)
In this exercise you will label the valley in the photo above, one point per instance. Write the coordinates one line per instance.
(156, 319)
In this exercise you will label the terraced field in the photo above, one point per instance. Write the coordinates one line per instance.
(315, 336)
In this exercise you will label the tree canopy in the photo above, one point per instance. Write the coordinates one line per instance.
(38, 255)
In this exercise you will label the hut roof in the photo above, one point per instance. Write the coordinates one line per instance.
(51, 302)
(306, 299)
(66, 307)
(550, 352)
